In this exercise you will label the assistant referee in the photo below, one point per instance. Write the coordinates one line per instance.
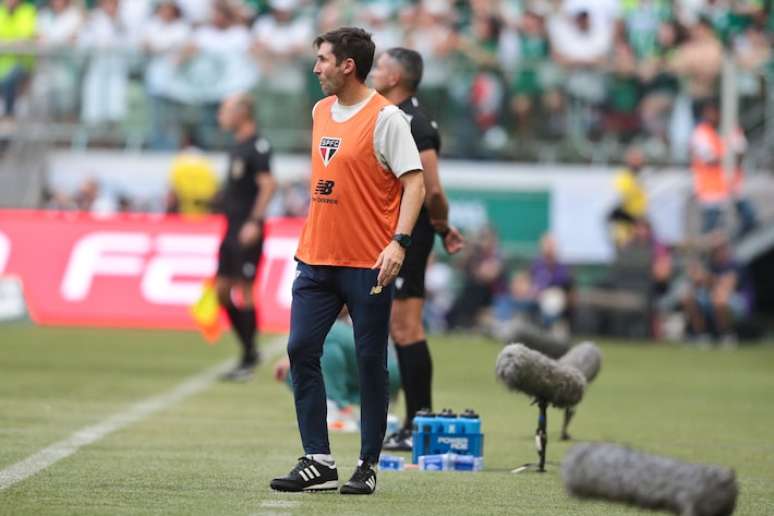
(397, 76)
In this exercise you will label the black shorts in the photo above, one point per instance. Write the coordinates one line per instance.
(238, 262)
(411, 278)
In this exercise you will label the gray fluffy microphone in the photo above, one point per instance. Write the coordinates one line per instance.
(586, 358)
(619, 474)
(534, 337)
(536, 375)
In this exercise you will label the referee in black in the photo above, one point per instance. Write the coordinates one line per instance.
(396, 76)
(248, 189)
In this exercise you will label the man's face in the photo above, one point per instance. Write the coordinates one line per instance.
(110, 7)
(712, 115)
(228, 114)
(330, 74)
(385, 76)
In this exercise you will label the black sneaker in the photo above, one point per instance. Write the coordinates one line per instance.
(363, 481)
(241, 373)
(399, 441)
(308, 475)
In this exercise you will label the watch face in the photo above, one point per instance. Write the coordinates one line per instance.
(403, 240)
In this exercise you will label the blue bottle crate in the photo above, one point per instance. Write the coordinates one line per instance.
(447, 433)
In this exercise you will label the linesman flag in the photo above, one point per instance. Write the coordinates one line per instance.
(206, 313)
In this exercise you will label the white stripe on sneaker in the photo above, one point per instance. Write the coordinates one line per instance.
(324, 486)
(314, 470)
(303, 475)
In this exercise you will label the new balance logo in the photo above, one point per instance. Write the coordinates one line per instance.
(309, 473)
(324, 187)
(376, 290)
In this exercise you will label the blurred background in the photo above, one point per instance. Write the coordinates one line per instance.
(576, 134)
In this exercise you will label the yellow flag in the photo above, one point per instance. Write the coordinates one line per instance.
(206, 313)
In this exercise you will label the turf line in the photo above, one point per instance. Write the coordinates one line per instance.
(44, 458)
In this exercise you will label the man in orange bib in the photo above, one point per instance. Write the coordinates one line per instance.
(366, 191)
(711, 186)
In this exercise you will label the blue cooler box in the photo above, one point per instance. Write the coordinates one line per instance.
(447, 433)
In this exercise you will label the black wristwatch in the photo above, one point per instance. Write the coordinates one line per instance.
(403, 239)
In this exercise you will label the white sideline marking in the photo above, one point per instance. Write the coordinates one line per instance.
(279, 504)
(85, 436)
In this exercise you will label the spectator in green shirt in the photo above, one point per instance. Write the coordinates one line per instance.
(340, 373)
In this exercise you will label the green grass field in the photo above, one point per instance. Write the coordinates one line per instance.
(215, 452)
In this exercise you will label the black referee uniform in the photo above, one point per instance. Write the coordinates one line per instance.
(414, 359)
(247, 159)
(411, 279)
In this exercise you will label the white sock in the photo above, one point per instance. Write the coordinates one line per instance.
(323, 459)
(360, 463)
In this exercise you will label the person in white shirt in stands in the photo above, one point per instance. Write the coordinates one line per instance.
(218, 49)
(165, 35)
(56, 80)
(196, 12)
(280, 39)
(581, 41)
(280, 45)
(107, 75)
(135, 15)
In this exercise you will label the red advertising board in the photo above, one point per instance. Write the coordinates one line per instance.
(139, 270)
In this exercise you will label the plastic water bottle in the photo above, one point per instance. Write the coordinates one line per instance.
(434, 462)
(471, 422)
(465, 462)
(448, 420)
(424, 421)
(392, 463)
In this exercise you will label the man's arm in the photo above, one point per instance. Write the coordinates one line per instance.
(437, 204)
(391, 258)
(435, 199)
(267, 185)
(251, 230)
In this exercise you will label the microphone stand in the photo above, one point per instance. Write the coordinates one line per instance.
(541, 440)
(568, 414)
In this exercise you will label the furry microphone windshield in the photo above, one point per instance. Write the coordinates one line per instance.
(538, 376)
(619, 474)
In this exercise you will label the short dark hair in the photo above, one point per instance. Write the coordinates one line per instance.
(351, 43)
(412, 65)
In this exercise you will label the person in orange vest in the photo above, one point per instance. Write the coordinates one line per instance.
(367, 189)
(711, 186)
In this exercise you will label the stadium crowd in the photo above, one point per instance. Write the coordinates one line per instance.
(635, 70)
(499, 73)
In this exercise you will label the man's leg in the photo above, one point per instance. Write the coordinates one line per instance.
(223, 287)
(314, 308)
(249, 320)
(370, 312)
(416, 366)
(747, 217)
(711, 218)
(229, 276)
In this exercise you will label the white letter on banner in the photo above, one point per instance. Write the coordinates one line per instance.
(95, 255)
(193, 256)
(5, 251)
(282, 250)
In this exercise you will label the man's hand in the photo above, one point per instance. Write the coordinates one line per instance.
(389, 263)
(453, 242)
(281, 370)
(250, 233)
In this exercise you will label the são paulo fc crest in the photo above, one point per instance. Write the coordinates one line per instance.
(328, 148)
